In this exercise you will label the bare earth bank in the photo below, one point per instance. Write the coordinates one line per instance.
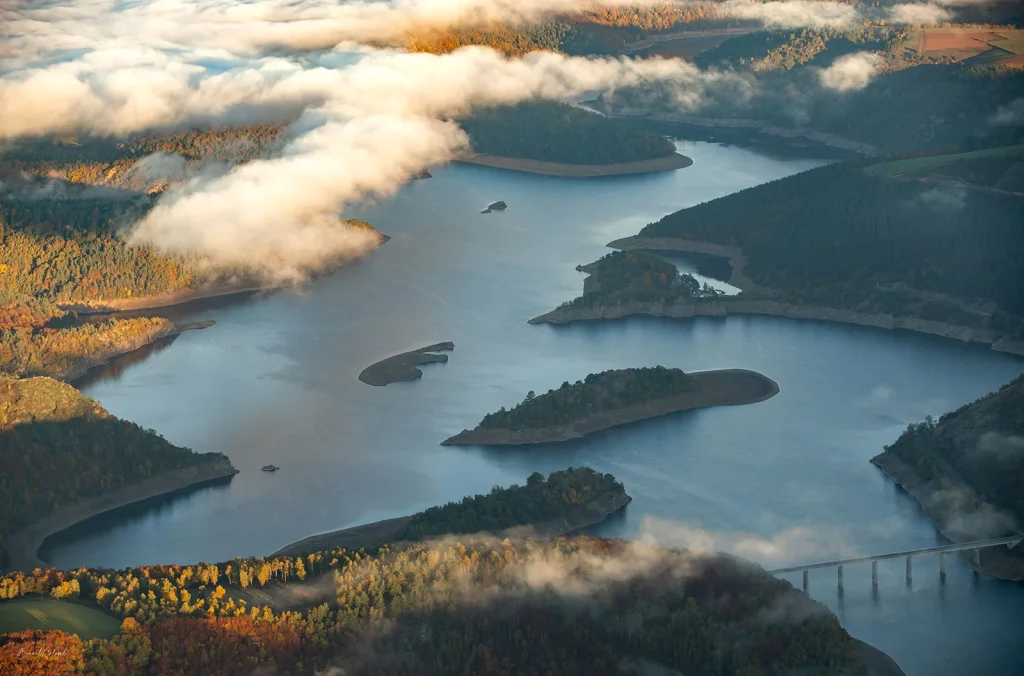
(667, 163)
(369, 536)
(742, 305)
(23, 546)
(727, 387)
(994, 561)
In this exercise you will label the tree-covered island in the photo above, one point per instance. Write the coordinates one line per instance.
(613, 398)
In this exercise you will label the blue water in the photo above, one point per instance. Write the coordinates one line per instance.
(784, 481)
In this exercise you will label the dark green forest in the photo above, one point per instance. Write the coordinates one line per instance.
(604, 391)
(624, 276)
(980, 442)
(58, 447)
(538, 501)
(556, 132)
(850, 238)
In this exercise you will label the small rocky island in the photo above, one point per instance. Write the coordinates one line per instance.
(270, 468)
(614, 398)
(497, 206)
(404, 366)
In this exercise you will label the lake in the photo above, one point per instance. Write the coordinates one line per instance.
(785, 481)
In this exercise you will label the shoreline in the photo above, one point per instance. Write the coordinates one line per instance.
(371, 535)
(172, 298)
(739, 305)
(997, 566)
(22, 547)
(667, 163)
(99, 359)
(724, 387)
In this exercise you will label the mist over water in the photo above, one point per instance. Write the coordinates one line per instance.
(275, 381)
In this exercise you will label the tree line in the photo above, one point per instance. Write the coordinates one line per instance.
(606, 391)
(848, 237)
(556, 132)
(540, 500)
(482, 607)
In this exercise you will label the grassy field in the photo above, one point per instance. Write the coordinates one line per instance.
(72, 618)
(914, 164)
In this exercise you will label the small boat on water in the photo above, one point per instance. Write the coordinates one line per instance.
(270, 468)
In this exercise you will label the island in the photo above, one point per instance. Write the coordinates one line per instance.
(404, 366)
(794, 253)
(563, 502)
(90, 461)
(497, 206)
(270, 468)
(556, 139)
(614, 398)
(966, 469)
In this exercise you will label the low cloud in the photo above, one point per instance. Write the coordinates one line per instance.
(792, 545)
(851, 72)
(918, 14)
(1009, 115)
(945, 198)
(1001, 448)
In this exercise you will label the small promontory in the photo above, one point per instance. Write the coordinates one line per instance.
(404, 366)
(967, 471)
(614, 398)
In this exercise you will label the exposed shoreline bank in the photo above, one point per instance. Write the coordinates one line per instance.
(658, 164)
(993, 561)
(98, 359)
(163, 300)
(22, 547)
(371, 535)
(738, 305)
(726, 387)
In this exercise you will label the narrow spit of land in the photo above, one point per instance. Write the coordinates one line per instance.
(404, 366)
(667, 163)
(728, 387)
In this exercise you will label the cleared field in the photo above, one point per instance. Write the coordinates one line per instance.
(68, 617)
(902, 167)
(979, 46)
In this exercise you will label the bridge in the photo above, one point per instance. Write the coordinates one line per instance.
(975, 546)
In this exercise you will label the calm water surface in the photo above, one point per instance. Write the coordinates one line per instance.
(786, 480)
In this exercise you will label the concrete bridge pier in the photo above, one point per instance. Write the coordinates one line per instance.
(806, 578)
(874, 573)
(910, 570)
(977, 556)
(840, 569)
(942, 566)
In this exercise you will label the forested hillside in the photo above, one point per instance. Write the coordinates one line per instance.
(579, 606)
(599, 31)
(847, 237)
(58, 447)
(606, 391)
(981, 444)
(556, 132)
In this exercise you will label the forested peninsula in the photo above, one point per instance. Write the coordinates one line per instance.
(493, 605)
(878, 245)
(65, 459)
(613, 398)
(564, 502)
(967, 471)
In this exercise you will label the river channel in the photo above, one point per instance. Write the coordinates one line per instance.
(275, 381)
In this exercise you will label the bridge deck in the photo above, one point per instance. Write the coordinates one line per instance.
(978, 544)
